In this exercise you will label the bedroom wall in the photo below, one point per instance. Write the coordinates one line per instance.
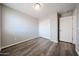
(77, 34)
(17, 27)
(44, 28)
(0, 27)
(48, 27)
(54, 27)
(74, 25)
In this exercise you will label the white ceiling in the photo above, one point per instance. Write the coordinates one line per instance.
(45, 10)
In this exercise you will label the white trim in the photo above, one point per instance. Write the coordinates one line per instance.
(16, 43)
(77, 51)
(54, 41)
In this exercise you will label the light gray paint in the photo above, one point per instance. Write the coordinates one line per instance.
(44, 28)
(77, 28)
(74, 26)
(76, 19)
(69, 13)
(0, 27)
(45, 10)
(17, 27)
(48, 27)
(54, 27)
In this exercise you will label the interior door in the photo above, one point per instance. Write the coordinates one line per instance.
(66, 29)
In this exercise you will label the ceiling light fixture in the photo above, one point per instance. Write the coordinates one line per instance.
(37, 6)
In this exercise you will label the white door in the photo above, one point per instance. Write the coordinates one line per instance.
(66, 29)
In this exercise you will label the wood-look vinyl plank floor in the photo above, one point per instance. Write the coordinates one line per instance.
(40, 47)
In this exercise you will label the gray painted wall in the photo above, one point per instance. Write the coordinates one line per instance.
(48, 27)
(74, 26)
(44, 28)
(0, 27)
(17, 27)
(77, 28)
(54, 27)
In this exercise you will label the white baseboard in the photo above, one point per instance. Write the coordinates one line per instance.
(50, 39)
(77, 51)
(16, 43)
(54, 41)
